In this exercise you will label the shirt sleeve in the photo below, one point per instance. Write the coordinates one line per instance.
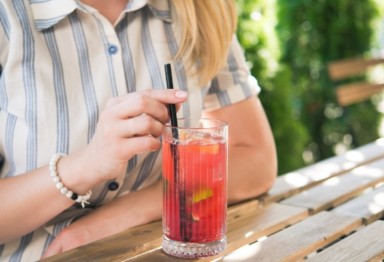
(233, 83)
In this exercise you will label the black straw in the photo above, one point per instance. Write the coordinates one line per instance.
(171, 107)
(179, 180)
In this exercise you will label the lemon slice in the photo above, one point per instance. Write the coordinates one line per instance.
(201, 194)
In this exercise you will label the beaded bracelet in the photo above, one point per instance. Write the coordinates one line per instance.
(82, 199)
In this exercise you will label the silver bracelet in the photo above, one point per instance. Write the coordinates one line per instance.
(82, 199)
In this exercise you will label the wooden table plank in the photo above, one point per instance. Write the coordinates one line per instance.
(304, 178)
(299, 240)
(245, 229)
(241, 209)
(367, 244)
(337, 190)
(263, 222)
(369, 206)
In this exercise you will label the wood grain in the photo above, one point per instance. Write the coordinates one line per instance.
(337, 190)
(301, 239)
(369, 206)
(350, 67)
(357, 92)
(304, 178)
(366, 244)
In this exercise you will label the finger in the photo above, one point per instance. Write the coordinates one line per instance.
(132, 107)
(137, 104)
(165, 96)
(143, 98)
(137, 126)
(140, 145)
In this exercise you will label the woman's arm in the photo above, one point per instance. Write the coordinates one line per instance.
(137, 121)
(252, 153)
(34, 196)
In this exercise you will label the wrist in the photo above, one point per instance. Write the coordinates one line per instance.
(75, 174)
(64, 190)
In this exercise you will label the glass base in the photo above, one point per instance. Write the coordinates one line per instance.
(192, 250)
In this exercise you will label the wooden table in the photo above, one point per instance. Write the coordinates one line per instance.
(330, 211)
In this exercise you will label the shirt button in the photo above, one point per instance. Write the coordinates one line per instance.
(112, 49)
(112, 186)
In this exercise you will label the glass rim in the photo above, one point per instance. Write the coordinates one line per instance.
(217, 123)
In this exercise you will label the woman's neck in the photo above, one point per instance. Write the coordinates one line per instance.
(110, 9)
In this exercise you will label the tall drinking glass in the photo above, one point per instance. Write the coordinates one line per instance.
(195, 187)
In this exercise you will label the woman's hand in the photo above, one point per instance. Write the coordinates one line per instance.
(127, 211)
(129, 125)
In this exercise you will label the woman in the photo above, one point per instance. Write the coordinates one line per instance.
(85, 79)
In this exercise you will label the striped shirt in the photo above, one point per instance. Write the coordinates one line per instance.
(60, 61)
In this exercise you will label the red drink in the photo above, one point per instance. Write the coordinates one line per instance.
(195, 191)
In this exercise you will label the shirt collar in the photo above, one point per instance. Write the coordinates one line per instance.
(48, 13)
(161, 9)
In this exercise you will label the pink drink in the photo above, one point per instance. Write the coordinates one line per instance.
(195, 193)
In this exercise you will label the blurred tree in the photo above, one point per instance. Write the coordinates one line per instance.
(289, 44)
(256, 33)
(312, 33)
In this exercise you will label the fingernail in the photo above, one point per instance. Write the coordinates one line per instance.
(181, 94)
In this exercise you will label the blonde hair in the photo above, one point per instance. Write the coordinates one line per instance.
(207, 30)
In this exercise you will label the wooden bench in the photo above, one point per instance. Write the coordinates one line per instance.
(329, 211)
(359, 91)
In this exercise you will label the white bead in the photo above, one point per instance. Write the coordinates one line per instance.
(69, 194)
(56, 179)
(59, 185)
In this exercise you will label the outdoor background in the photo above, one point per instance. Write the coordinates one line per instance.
(288, 44)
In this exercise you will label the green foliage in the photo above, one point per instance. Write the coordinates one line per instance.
(288, 44)
(312, 34)
(257, 35)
